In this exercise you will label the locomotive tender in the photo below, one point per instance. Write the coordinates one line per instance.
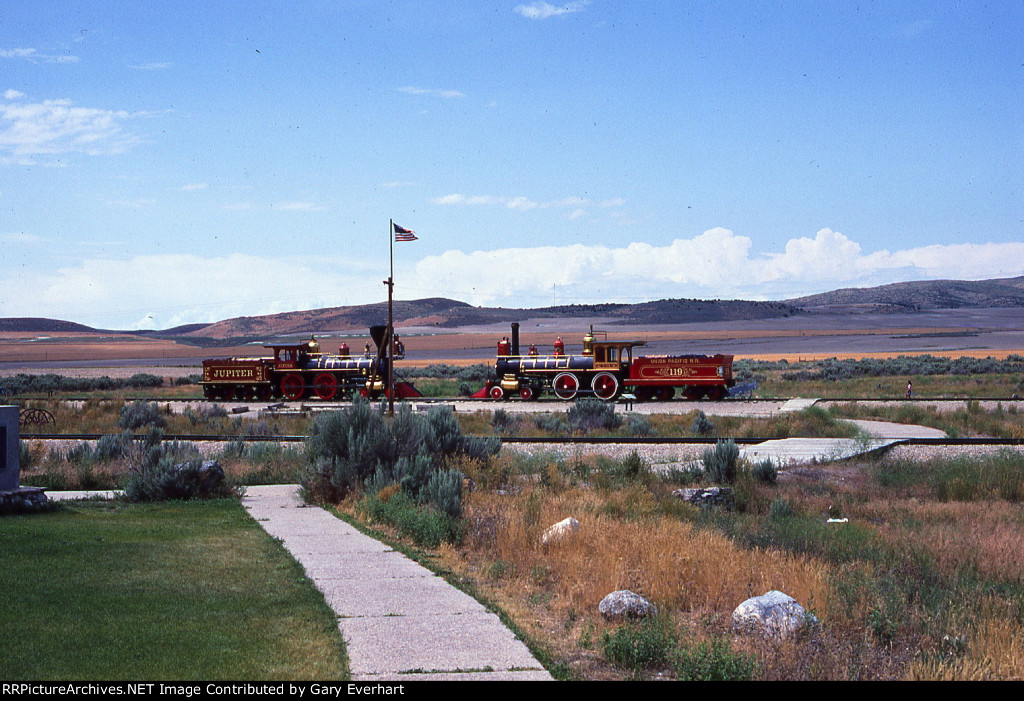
(299, 371)
(606, 369)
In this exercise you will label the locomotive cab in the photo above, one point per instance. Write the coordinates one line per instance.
(290, 357)
(613, 355)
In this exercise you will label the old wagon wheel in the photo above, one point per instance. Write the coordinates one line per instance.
(35, 417)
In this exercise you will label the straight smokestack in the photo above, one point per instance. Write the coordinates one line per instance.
(515, 338)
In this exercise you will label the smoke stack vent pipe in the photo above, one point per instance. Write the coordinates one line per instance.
(515, 338)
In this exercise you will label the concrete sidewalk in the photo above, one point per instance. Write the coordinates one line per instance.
(877, 436)
(400, 621)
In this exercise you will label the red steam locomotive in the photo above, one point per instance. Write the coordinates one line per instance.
(300, 371)
(606, 369)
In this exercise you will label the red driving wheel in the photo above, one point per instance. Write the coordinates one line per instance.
(293, 386)
(325, 385)
(565, 385)
(605, 386)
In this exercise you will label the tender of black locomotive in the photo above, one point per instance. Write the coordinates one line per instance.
(301, 371)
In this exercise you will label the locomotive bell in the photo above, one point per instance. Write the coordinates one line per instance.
(588, 342)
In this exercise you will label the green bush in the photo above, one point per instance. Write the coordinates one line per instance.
(196, 479)
(349, 451)
(713, 661)
(640, 645)
(110, 447)
(551, 423)
(45, 384)
(139, 414)
(504, 423)
(765, 472)
(444, 492)
(640, 426)
(702, 425)
(426, 527)
(587, 415)
(720, 461)
(779, 509)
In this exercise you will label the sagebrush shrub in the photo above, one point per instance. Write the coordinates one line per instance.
(552, 423)
(504, 423)
(139, 414)
(702, 425)
(720, 461)
(349, 451)
(164, 480)
(639, 425)
(765, 472)
(587, 415)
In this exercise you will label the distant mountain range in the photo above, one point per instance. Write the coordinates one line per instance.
(449, 314)
(919, 296)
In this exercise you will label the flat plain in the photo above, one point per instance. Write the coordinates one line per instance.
(995, 332)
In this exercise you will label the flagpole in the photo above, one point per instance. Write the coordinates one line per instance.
(391, 319)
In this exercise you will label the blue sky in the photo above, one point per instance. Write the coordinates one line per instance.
(165, 162)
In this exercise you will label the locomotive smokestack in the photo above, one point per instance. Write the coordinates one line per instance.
(515, 338)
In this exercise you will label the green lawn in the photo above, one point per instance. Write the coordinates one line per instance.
(169, 591)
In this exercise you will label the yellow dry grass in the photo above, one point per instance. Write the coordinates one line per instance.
(668, 561)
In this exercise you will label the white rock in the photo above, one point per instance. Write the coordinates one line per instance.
(563, 528)
(625, 604)
(774, 613)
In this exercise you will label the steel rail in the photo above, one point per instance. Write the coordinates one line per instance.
(554, 440)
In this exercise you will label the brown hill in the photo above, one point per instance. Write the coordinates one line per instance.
(917, 296)
(40, 325)
(449, 314)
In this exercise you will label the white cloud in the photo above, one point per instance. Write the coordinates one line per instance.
(543, 10)
(716, 264)
(178, 289)
(33, 56)
(56, 127)
(11, 94)
(577, 205)
(151, 66)
(433, 92)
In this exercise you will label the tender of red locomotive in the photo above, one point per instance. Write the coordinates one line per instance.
(300, 371)
(606, 369)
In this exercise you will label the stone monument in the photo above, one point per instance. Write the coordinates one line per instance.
(12, 494)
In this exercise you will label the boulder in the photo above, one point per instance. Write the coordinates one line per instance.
(706, 498)
(199, 478)
(625, 604)
(563, 528)
(774, 614)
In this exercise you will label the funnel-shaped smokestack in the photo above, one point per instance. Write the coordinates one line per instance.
(377, 333)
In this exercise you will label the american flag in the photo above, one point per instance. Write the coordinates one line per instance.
(403, 234)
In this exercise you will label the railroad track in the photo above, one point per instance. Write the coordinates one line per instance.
(553, 440)
(547, 401)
